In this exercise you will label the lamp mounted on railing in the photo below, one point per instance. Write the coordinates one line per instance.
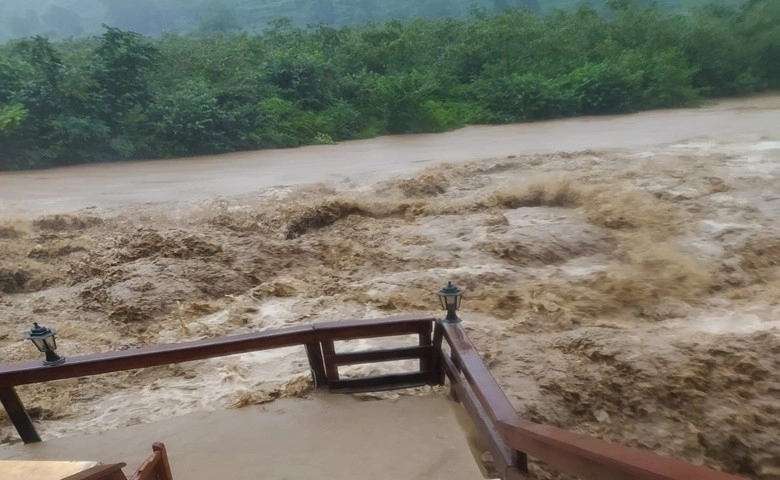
(450, 297)
(45, 339)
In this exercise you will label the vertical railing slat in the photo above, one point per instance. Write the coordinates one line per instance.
(314, 353)
(425, 341)
(331, 369)
(437, 372)
(15, 408)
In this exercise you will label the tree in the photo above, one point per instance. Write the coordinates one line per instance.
(122, 61)
(11, 116)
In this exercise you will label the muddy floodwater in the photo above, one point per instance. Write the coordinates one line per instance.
(64, 189)
(621, 272)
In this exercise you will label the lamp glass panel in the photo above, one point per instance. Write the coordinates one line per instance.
(39, 344)
(452, 302)
(51, 343)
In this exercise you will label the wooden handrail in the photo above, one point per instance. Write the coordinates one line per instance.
(503, 456)
(593, 459)
(371, 328)
(155, 467)
(143, 357)
(483, 398)
(491, 396)
(586, 457)
(152, 356)
(315, 337)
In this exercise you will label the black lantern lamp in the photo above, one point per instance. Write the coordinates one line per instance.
(450, 297)
(45, 340)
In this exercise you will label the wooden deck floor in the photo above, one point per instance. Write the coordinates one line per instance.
(326, 437)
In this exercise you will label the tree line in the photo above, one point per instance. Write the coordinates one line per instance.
(120, 95)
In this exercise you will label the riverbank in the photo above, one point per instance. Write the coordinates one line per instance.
(359, 162)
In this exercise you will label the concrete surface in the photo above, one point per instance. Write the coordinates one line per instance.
(324, 437)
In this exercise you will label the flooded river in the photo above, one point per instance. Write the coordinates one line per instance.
(188, 179)
(622, 273)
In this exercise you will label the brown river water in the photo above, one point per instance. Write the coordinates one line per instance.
(622, 273)
(187, 179)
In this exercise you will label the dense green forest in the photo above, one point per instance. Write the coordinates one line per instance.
(120, 95)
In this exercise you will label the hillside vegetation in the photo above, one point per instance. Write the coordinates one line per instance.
(120, 95)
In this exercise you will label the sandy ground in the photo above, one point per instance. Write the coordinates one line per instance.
(327, 436)
(629, 293)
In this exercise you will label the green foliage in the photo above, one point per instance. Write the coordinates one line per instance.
(11, 116)
(121, 61)
(284, 124)
(323, 139)
(185, 121)
(399, 101)
(122, 95)
(519, 97)
(605, 87)
(668, 80)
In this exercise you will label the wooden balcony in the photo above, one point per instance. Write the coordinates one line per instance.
(324, 438)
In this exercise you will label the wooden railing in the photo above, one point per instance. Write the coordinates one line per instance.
(328, 333)
(512, 439)
(155, 467)
(444, 352)
(472, 384)
(317, 338)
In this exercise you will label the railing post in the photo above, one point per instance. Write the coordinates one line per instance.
(437, 372)
(331, 369)
(456, 362)
(15, 409)
(165, 465)
(314, 352)
(426, 363)
(520, 460)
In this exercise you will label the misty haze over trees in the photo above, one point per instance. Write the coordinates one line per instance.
(122, 95)
(59, 19)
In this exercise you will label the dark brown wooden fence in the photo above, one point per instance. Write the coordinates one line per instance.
(155, 467)
(444, 353)
(318, 339)
(512, 439)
